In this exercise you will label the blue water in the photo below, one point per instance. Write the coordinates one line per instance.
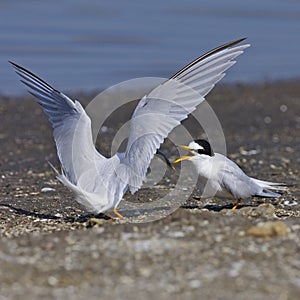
(90, 45)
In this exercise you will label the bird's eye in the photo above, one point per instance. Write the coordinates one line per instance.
(201, 150)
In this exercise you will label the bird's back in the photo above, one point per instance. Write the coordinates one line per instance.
(224, 178)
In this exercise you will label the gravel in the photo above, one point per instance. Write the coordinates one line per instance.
(51, 249)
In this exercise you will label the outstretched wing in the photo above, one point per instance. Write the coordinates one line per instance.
(71, 125)
(170, 103)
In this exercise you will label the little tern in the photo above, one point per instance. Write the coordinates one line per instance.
(222, 178)
(99, 183)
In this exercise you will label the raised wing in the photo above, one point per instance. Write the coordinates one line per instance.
(170, 103)
(71, 125)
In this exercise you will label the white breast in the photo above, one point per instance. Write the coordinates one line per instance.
(210, 170)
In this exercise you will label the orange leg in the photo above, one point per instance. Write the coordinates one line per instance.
(118, 214)
(109, 216)
(236, 204)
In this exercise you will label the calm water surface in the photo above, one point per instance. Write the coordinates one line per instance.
(90, 45)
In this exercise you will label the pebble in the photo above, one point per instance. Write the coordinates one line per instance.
(195, 284)
(267, 120)
(268, 229)
(290, 202)
(265, 210)
(283, 108)
(249, 152)
(289, 149)
(47, 189)
(95, 221)
(104, 129)
(52, 280)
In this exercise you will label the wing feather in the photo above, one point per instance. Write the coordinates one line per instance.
(71, 125)
(167, 105)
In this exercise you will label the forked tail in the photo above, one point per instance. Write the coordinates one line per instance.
(268, 188)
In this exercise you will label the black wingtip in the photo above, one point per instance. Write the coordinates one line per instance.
(211, 52)
(11, 62)
(19, 68)
(238, 40)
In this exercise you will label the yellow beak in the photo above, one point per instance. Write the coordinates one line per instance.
(185, 157)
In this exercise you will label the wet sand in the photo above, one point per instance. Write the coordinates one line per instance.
(51, 249)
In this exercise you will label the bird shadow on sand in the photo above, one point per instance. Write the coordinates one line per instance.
(85, 217)
(80, 219)
(215, 208)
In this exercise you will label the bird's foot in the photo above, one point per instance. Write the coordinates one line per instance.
(236, 204)
(118, 214)
(112, 217)
(109, 216)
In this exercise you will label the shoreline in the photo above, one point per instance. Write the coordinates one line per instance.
(94, 91)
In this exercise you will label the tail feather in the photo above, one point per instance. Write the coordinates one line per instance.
(268, 194)
(268, 185)
(89, 201)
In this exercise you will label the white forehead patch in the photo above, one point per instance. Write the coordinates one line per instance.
(194, 146)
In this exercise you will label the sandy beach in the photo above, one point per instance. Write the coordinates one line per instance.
(51, 249)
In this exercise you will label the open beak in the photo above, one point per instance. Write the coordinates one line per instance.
(184, 157)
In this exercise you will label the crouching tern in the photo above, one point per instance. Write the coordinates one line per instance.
(222, 178)
(99, 183)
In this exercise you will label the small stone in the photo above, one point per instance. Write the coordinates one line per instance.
(47, 189)
(268, 229)
(52, 280)
(104, 129)
(289, 149)
(267, 120)
(290, 202)
(195, 284)
(135, 229)
(249, 152)
(95, 221)
(285, 160)
(265, 210)
(283, 108)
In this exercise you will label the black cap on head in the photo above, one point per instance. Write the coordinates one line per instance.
(206, 148)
